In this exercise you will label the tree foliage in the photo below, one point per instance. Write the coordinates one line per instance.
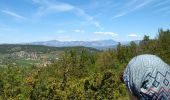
(80, 74)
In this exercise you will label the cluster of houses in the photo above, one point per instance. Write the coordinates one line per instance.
(42, 59)
(33, 56)
(28, 55)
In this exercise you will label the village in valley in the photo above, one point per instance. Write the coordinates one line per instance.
(24, 58)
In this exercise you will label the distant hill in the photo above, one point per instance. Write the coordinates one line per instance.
(54, 45)
(128, 42)
(10, 48)
(100, 44)
(34, 55)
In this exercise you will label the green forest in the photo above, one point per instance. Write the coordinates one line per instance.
(78, 74)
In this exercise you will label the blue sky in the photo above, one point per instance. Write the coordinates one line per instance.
(86, 20)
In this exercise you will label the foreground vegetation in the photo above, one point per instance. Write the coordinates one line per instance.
(80, 74)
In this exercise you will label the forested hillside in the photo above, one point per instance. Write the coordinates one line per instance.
(31, 55)
(78, 74)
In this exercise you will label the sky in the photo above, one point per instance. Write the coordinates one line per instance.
(23, 21)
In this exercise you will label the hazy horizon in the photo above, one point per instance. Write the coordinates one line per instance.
(70, 41)
(24, 21)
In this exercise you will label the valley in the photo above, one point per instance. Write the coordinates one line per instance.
(32, 55)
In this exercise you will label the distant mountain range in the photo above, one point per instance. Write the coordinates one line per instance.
(128, 42)
(99, 44)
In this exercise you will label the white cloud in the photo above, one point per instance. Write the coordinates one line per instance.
(46, 7)
(107, 33)
(61, 7)
(144, 3)
(132, 6)
(134, 35)
(159, 4)
(78, 31)
(119, 15)
(89, 18)
(12, 14)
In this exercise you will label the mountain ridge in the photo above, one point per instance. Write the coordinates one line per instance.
(94, 44)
